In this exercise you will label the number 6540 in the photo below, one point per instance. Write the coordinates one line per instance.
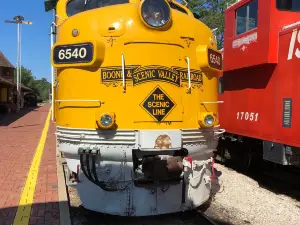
(252, 116)
(68, 54)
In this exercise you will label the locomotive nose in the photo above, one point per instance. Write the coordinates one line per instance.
(154, 14)
(114, 29)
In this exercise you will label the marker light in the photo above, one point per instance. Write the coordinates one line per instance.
(155, 13)
(107, 120)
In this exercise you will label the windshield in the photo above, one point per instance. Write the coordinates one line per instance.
(288, 5)
(77, 6)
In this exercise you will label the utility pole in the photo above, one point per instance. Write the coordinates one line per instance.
(18, 20)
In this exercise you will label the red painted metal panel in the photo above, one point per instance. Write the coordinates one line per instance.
(259, 77)
(288, 85)
(248, 101)
(250, 48)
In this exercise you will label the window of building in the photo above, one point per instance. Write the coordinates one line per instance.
(6, 72)
(288, 5)
(246, 17)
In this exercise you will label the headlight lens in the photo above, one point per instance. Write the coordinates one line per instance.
(209, 120)
(106, 120)
(156, 13)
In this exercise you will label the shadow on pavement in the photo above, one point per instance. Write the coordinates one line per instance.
(7, 119)
(48, 213)
(82, 216)
(41, 213)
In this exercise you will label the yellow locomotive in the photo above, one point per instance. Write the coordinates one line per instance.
(135, 103)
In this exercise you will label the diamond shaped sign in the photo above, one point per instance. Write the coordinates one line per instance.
(158, 104)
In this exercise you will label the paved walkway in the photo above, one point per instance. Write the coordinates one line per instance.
(28, 171)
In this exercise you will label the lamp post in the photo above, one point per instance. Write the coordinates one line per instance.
(18, 20)
(53, 71)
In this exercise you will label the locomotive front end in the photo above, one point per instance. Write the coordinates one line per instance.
(136, 104)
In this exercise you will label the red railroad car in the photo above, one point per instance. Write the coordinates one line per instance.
(260, 85)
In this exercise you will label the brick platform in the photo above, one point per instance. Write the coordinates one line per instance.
(18, 142)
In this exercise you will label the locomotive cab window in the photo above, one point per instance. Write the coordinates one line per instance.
(77, 6)
(288, 5)
(246, 17)
(176, 7)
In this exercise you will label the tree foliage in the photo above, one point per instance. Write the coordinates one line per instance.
(211, 13)
(40, 87)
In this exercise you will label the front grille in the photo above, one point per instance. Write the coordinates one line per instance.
(193, 136)
(86, 136)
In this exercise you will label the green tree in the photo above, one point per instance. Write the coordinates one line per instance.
(40, 87)
(211, 13)
(43, 86)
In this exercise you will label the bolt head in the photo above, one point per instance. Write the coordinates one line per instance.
(75, 32)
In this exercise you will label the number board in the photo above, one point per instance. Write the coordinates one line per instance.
(215, 59)
(74, 53)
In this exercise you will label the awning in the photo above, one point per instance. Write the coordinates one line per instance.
(4, 81)
(23, 88)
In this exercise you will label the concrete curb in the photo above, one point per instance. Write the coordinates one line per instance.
(62, 192)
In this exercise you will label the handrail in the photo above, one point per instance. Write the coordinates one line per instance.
(217, 102)
(77, 100)
(218, 134)
(123, 73)
(290, 26)
(189, 72)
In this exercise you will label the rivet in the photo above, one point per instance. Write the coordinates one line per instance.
(75, 32)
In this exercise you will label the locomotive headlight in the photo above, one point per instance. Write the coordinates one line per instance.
(207, 120)
(107, 121)
(155, 13)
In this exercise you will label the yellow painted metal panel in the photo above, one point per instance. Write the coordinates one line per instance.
(152, 58)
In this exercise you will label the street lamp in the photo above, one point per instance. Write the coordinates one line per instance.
(18, 20)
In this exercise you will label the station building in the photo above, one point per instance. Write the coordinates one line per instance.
(8, 88)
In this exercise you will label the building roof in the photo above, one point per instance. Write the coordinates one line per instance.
(4, 61)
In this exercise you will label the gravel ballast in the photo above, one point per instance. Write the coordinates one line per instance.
(240, 200)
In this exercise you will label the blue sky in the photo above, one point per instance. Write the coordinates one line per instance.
(36, 42)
